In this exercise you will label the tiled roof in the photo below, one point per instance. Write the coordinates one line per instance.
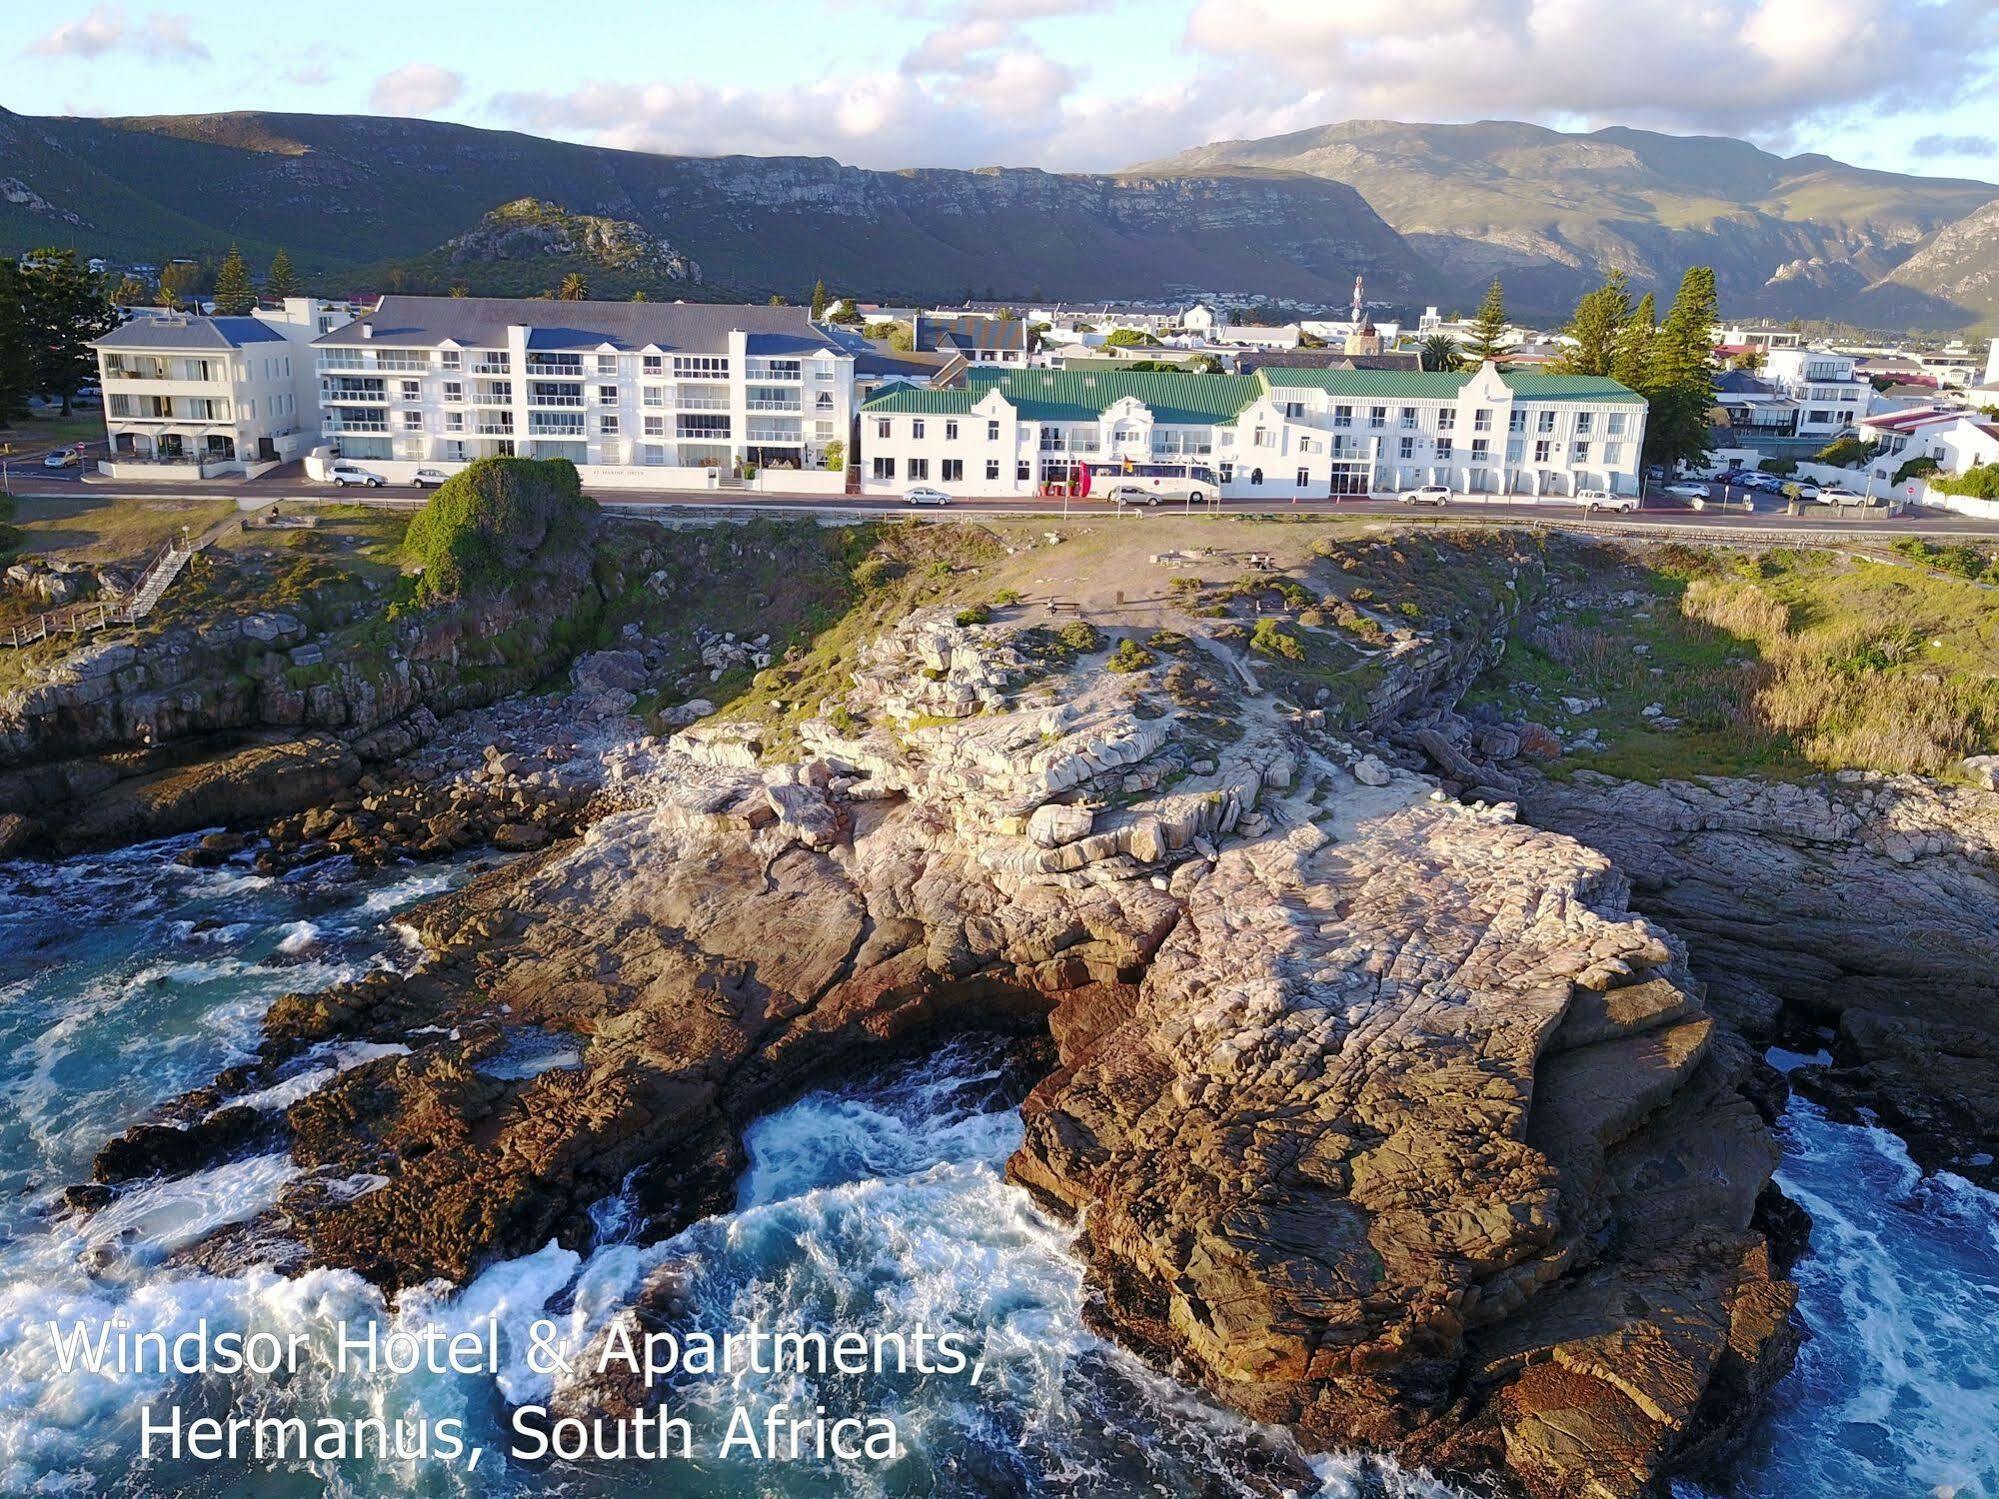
(189, 333)
(482, 323)
(1438, 386)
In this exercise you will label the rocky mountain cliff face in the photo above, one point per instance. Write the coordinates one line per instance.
(1553, 212)
(1385, 1116)
(1952, 281)
(529, 229)
(352, 197)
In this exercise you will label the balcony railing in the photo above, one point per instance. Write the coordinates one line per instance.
(492, 367)
(776, 435)
(358, 424)
(547, 401)
(497, 429)
(768, 405)
(702, 403)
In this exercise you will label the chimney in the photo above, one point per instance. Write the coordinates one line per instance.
(367, 330)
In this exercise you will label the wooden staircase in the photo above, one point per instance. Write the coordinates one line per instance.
(100, 614)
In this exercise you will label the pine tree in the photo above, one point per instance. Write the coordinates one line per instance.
(64, 308)
(177, 283)
(1597, 326)
(1488, 328)
(1680, 373)
(281, 280)
(132, 292)
(1632, 365)
(234, 295)
(17, 362)
(818, 300)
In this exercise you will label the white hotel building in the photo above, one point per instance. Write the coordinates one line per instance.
(628, 391)
(1279, 434)
(202, 397)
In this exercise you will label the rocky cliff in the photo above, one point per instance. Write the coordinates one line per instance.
(1384, 1116)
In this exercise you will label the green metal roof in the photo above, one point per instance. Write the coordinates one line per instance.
(1438, 386)
(1081, 395)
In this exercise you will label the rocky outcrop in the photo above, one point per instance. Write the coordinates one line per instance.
(1865, 904)
(1383, 1116)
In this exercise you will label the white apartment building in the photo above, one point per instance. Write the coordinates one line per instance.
(625, 390)
(1278, 434)
(1832, 399)
(210, 396)
(1957, 440)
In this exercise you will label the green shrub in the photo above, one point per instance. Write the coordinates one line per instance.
(1916, 468)
(1183, 583)
(1778, 466)
(1080, 636)
(1409, 608)
(1272, 641)
(1980, 483)
(1131, 656)
(1845, 452)
(872, 573)
(1006, 598)
(481, 528)
(974, 614)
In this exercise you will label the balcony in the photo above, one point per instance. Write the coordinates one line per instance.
(793, 438)
(500, 428)
(774, 374)
(546, 400)
(702, 403)
(348, 394)
(555, 426)
(555, 367)
(766, 404)
(336, 425)
(501, 366)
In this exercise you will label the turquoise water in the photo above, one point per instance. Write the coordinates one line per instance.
(879, 1206)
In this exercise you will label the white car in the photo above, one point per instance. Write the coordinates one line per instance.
(344, 474)
(1131, 494)
(1429, 494)
(923, 494)
(1687, 491)
(1594, 500)
(428, 478)
(1840, 497)
(62, 458)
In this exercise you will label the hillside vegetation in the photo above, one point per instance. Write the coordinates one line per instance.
(484, 526)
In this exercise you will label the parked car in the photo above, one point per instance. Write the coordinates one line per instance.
(62, 458)
(344, 474)
(923, 494)
(1131, 494)
(1429, 494)
(1800, 489)
(1687, 490)
(1594, 500)
(428, 478)
(1839, 495)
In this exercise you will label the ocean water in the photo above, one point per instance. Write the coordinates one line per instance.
(878, 1207)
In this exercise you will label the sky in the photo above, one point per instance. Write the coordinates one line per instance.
(1904, 85)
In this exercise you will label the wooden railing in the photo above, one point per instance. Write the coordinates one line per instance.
(101, 614)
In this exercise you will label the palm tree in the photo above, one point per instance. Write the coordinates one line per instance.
(573, 289)
(1438, 351)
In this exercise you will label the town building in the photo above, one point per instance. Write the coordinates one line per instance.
(212, 396)
(628, 391)
(1280, 433)
(1954, 439)
(1831, 395)
(976, 337)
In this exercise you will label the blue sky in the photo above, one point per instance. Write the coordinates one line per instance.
(1907, 85)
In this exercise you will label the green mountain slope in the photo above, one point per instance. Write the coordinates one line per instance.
(1552, 211)
(353, 198)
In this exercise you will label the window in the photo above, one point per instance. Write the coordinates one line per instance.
(1481, 449)
(1378, 416)
(607, 395)
(700, 367)
(1581, 454)
(1304, 477)
(412, 390)
(1613, 453)
(1481, 419)
(652, 364)
(412, 420)
(1583, 419)
(1444, 449)
(1408, 448)
(1447, 419)
(1409, 418)
(916, 427)
(992, 468)
(1516, 420)
(952, 470)
(608, 424)
(1023, 471)
(607, 364)
(1256, 476)
(950, 431)
(1615, 426)
(884, 468)
(919, 468)
(655, 426)
(992, 434)
(1546, 423)
(653, 395)
(450, 359)
(1542, 449)
(454, 390)
(1514, 450)
(1343, 416)
(882, 427)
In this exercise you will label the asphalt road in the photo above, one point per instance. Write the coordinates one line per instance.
(1768, 513)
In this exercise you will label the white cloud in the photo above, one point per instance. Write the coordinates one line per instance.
(313, 74)
(1955, 145)
(417, 88)
(1756, 66)
(166, 36)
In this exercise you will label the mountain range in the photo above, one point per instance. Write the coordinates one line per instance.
(1428, 213)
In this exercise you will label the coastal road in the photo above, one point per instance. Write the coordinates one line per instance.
(1761, 525)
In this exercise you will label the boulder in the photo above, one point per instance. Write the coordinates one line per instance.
(1057, 823)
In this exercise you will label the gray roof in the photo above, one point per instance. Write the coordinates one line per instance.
(673, 327)
(189, 333)
(974, 332)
